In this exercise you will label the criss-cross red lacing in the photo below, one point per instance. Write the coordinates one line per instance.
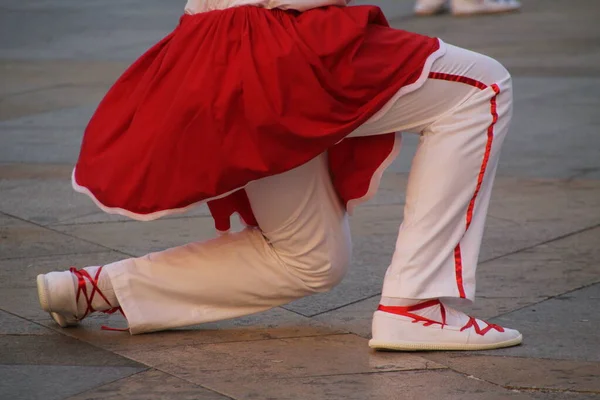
(83, 277)
(406, 311)
(473, 323)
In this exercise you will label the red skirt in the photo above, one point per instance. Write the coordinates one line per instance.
(236, 95)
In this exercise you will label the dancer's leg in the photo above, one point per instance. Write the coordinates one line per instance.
(462, 113)
(303, 248)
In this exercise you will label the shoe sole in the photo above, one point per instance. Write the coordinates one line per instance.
(45, 304)
(408, 346)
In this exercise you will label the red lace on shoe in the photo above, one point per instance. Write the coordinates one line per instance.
(473, 323)
(406, 311)
(82, 277)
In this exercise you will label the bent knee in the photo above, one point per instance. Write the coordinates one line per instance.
(320, 271)
(477, 66)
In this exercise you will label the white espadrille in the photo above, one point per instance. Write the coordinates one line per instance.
(68, 295)
(474, 7)
(429, 7)
(403, 329)
(465, 7)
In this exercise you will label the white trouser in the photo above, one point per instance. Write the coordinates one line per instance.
(462, 114)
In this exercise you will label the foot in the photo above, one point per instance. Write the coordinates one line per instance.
(433, 326)
(68, 295)
(473, 7)
(429, 7)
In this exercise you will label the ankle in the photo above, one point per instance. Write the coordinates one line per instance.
(94, 290)
(400, 301)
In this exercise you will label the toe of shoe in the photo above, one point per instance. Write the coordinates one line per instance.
(496, 339)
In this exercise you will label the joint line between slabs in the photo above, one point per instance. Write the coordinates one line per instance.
(67, 234)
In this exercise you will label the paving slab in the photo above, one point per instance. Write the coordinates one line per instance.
(39, 145)
(564, 327)
(65, 118)
(42, 193)
(212, 365)
(23, 239)
(47, 99)
(78, 33)
(54, 382)
(276, 323)
(438, 384)
(525, 373)
(27, 76)
(149, 385)
(539, 40)
(146, 237)
(11, 324)
(560, 395)
(521, 216)
(504, 284)
(545, 270)
(56, 350)
(22, 272)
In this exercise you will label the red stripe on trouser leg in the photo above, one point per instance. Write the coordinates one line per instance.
(458, 267)
(486, 155)
(458, 78)
(458, 272)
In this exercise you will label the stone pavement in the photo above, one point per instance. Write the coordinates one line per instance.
(540, 264)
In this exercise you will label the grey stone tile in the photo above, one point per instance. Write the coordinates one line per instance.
(525, 373)
(560, 395)
(22, 239)
(139, 238)
(521, 216)
(355, 318)
(86, 32)
(57, 350)
(564, 327)
(45, 201)
(528, 212)
(13, 325)
(566, 49)
(27, 76)
(545, 270)
(20, 174)
(22, 302)
(22, 272)
(490, 307)
(53, 382)
(382, 386)
(43, 99)
(273, 324)
(43, 194)
(66, 118)
(554, 119)
(149, 385)
(505, 284)
(281, 358)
